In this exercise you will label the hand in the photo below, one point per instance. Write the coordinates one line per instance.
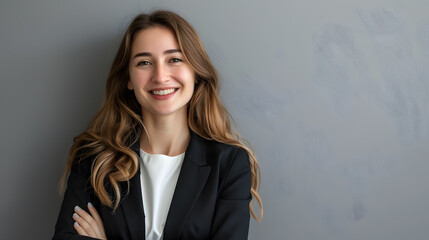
(89, 225)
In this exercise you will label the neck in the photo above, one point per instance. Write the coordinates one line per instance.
(168, 135)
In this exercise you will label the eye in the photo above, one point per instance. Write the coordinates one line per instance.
(174, 60)
(143, 63)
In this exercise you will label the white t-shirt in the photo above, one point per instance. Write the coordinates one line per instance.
(159, 174)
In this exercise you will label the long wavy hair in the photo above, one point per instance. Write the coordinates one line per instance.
(118, 124)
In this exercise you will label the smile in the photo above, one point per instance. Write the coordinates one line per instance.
(163, 92)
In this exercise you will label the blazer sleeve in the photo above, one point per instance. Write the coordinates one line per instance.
(78, 193)
(232, 214)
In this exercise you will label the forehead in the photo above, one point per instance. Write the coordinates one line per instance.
(154, 39)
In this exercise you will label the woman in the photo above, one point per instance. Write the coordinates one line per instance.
(159, 160)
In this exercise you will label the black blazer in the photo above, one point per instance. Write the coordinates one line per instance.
(211, 199)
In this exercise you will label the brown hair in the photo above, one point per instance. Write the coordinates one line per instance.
(118, 123)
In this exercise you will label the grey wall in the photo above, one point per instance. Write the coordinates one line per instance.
(333, 95)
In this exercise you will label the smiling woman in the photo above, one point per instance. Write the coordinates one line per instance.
(159, 160)
(162, 82)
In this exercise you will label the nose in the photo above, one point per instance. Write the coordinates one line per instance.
(160, 74)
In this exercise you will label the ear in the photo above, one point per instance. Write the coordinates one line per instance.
(130, 85)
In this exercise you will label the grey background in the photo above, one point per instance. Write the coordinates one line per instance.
(333, 95)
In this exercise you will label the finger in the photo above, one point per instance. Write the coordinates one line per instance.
(95, 215)
(97, 218)
(93, 225)
(82, 224)
(85, 221)
(79, 229)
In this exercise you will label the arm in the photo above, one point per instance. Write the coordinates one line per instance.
(232, 214)
(78, 193)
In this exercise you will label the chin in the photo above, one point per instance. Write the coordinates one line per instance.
(170, 111)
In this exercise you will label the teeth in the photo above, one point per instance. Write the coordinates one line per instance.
(163, 92)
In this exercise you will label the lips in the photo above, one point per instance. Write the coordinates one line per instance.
(163, 91)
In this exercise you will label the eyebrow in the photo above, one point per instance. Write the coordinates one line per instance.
(147, 54)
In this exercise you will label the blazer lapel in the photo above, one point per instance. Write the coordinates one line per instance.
(132, 205)
(192, 178)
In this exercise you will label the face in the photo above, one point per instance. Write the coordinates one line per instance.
(162, 80)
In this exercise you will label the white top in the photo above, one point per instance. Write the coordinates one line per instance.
(159, 174)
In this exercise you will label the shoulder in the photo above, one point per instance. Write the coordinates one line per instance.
(218, 154)
(230, 169)
(82, 162)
